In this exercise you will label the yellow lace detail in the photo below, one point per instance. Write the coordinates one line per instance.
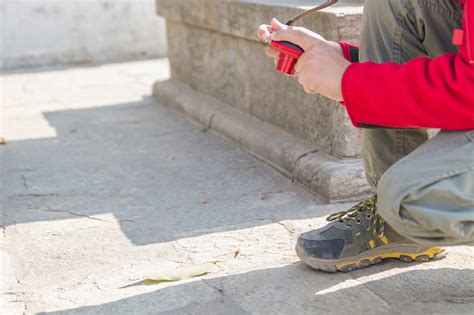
(368, 206)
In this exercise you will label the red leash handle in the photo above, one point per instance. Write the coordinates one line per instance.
(289, 52)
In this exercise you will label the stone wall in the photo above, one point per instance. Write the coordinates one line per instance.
(213, 50)
(221, 56)
(44, 32)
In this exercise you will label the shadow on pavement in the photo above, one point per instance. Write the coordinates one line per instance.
(161, 177)
(298, 290)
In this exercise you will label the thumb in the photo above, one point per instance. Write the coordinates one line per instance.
(295, 36)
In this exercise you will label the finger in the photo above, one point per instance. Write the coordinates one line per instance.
(264, 32)
(300, 64)
(309, 90)
(293, 36)
(303, 80)
(277, 25)
(272, 52)
(299, 36)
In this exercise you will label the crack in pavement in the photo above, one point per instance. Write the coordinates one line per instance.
(266, 195)
(74, 214)
(209, 124)
(81, 215)
(25, 183)
(35, 195)
(127, 220)
(372, 291)
(223, 228)
(292, 232)
(214, 287)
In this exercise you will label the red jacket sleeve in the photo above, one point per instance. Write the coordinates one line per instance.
(351, 52)
(422, 93)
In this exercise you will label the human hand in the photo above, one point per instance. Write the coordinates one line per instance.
(266, 32)
(320, 68)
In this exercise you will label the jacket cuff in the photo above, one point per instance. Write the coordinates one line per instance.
(351, 52)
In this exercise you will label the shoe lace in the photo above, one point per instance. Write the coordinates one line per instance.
(369, 206)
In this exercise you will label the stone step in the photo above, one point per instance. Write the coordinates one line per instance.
(333, 179)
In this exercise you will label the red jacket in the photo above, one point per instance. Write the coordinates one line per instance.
(422, 93)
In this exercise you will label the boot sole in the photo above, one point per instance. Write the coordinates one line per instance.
(403, 252)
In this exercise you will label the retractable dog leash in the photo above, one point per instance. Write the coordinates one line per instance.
(290, 52)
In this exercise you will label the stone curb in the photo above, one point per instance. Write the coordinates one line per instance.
(336, 180)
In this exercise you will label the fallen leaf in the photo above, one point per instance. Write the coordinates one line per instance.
(237, 253)
(179, 274)
(2, 141)
(204, 202)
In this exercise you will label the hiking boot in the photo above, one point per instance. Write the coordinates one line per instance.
(358, 238)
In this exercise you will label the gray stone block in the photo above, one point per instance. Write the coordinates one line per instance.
(213, 49)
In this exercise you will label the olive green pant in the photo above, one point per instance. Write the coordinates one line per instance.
(425, 188)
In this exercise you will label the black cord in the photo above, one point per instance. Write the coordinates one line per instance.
(310, 11)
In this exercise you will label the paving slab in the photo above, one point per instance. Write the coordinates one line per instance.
(102, 185)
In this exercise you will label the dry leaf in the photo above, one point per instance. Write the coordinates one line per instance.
(180, 273)
(2, 141)
(237, 253)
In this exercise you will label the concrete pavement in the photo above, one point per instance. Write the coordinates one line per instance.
(101, 185)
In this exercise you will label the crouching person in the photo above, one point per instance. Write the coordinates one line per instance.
(414, 70)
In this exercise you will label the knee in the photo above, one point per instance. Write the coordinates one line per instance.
(434, 210)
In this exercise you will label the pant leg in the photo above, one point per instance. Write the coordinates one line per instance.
(397, 31)
(428, 196)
